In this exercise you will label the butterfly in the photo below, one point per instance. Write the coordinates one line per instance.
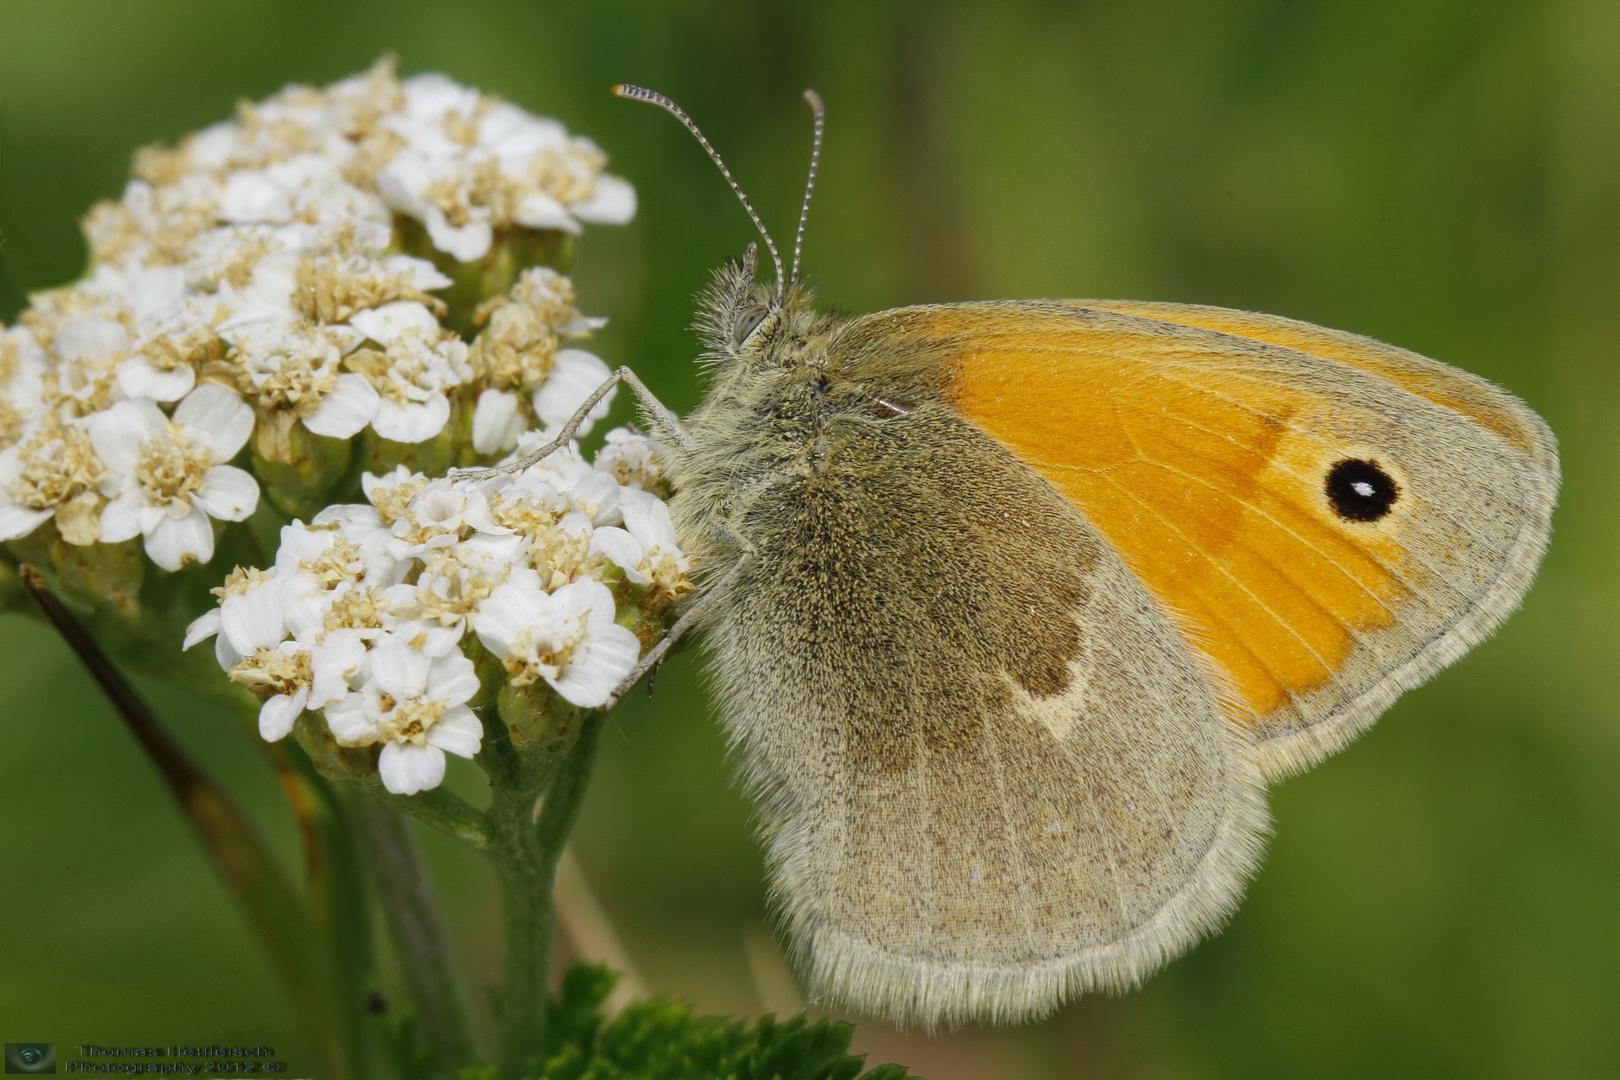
(1014, 607)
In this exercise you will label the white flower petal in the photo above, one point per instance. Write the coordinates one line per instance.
(518, 134)
(175, 539)
(573, 378)
(355, 518)
(466, 243)
(139, 377)
(347, 719)
(538, 210)
(646, 516)
(227, 493)
(150, 291)
(219, 415)
(267, 297)
(203, 627)
(252, 619)
(452, 679)
(251, 196)
(299, 544)
(152, 515)
(305, 603)
(411, 423)
(384, 324)
(90, 338)
(497, 421)
(402, 180)
(399, 669)
(424, 275)
(431, 639)
(11, 467)
(332, 664)
(457, 732)
(625, 551)
(406, 768)
(18, 521)
(506, 611)
(399, 476)
(597, 668)
(226, 656)
(345, 409)
(612, 203)
(587, 595)
(278, 714)
(597, 494)
(121, 518)
(116, 433)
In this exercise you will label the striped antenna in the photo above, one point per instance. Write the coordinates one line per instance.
(810, 185)
(652, 97)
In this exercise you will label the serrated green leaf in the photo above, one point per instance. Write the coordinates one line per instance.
(661, 1040)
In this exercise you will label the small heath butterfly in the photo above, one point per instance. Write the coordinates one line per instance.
(1016, 606)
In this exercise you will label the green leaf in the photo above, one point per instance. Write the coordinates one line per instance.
(661, 1040)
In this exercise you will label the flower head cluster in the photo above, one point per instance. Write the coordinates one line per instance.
(373, 614)
(250, 289)
(466, 165)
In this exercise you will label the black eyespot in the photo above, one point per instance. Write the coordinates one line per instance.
(747, 323)
(1360, 490)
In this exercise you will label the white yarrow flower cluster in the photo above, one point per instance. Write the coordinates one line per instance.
(469, 164)
(251, 282)
(370, 610)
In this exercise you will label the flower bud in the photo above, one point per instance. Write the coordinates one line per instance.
(536, 716)
(297, 467)
(432, 456)
(103, 575)
(512, 251)
(333, 761)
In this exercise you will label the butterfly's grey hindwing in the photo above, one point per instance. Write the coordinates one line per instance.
(989, 773)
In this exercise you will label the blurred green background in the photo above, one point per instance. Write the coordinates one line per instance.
(1441, 899)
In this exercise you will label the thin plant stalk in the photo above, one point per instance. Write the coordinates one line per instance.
(411, 912)
(278, 916)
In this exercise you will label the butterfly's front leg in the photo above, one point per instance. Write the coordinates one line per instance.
(668, 425)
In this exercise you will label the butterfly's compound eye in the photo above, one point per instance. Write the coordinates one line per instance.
(1360, 490)
(747, 323)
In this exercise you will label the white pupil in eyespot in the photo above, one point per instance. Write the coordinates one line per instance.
(1364, 489)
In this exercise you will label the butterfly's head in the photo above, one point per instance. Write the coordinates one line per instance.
(751, 324)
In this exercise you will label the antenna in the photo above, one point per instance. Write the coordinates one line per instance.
(810, 185)
(652, 97)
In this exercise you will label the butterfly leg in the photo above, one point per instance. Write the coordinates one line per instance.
(668, 425)
(689, 617)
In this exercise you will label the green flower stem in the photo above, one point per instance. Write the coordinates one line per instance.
(527, 916)
(529, 839)
(560, 809)
(272, 907)
(417, 930)
(336, 886)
